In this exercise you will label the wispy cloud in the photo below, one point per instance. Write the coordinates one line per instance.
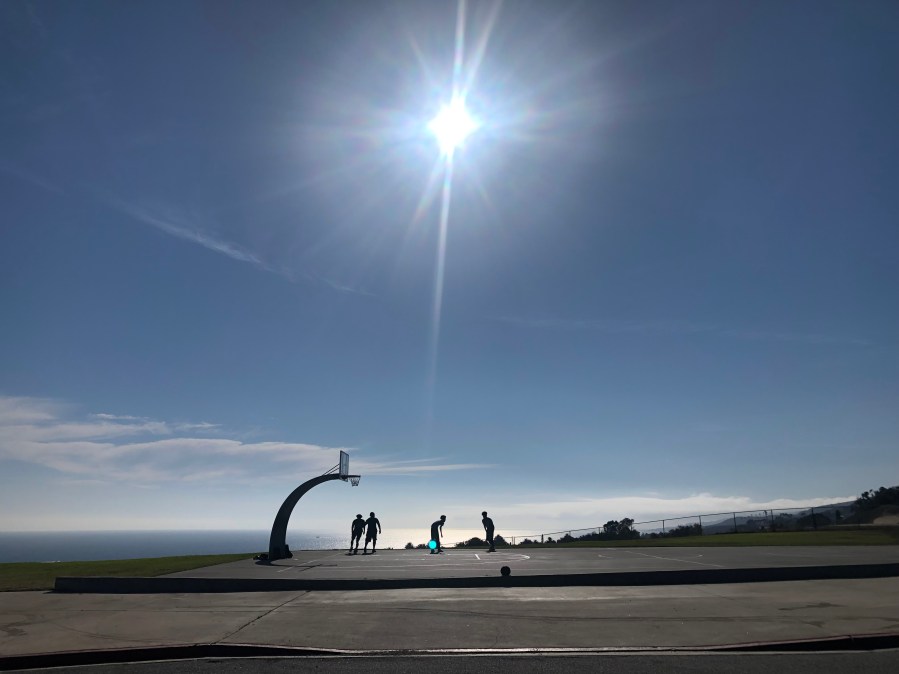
(136, 449)
(193, 228)
(22, 410)
(412, 467)
(184, 227)
(614, 327)
(29, 177)
(339, 286)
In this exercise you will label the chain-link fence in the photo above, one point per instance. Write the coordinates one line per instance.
(746, 521)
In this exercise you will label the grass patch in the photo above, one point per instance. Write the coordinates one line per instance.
(838, 537)
(41, 576)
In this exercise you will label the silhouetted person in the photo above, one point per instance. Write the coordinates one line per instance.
(488, 527)
(436, 532)
(372, 529)
(356, 533)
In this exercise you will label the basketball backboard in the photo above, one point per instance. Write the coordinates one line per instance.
(344, 468)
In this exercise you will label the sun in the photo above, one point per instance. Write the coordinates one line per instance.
(452, 125)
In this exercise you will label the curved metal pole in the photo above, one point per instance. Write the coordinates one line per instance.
(277, 544)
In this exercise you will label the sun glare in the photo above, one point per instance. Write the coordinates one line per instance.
(452, 125)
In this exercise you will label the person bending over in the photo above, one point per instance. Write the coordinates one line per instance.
(436, 532)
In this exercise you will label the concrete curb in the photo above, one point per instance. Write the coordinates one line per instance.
(862, 642)
(168, 584)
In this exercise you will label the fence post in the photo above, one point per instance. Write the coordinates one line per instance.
(663, 526)
(541, 538)
(772, 520)
(735, 523)
(700, 525)
(814, 520)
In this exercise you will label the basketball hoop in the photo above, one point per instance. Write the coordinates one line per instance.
(354, 480)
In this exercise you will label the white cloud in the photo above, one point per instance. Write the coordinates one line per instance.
(411, 467)
(137, 449)
(27, 410)
(118, 417)
(568, 513)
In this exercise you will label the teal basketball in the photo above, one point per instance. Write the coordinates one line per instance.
(432, 545)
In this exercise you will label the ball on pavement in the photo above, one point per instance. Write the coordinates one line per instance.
(505, 571)
(432, 545)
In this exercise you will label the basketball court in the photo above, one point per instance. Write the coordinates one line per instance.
(474, 563)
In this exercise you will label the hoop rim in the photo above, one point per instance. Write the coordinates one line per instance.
(354, 479)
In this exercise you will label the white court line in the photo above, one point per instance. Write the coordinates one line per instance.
(310, 563)
(478, 557)
(673, 559)
(425, 562)
(321, 559)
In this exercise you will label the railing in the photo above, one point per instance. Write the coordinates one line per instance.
(740, 521)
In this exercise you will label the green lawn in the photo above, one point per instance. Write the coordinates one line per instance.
(41, 576)
(838, 537)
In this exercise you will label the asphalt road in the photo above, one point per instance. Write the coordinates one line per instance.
(500, 617)
(684, 616)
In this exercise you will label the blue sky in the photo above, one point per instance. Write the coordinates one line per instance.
(670, 280)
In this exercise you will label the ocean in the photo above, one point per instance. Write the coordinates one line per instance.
(71, 546)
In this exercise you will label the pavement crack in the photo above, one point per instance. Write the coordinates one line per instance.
(261, 616)
(822, 604)
(582, 618)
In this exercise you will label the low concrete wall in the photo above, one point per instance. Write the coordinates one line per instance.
(167, 584)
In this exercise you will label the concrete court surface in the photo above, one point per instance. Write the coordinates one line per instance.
(454, 562)
(684, 616)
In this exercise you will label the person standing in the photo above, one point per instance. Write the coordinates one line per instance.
(372, 529)
(356, 530)
(488, 527)
(436, 533)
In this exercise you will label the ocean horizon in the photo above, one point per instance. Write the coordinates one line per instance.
(72, 546)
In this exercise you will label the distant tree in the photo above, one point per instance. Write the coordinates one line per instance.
(813, 521)
(474, 542)
(685, 530)
(615, 529)
(869, 500)
(499, 540)
(409, 546)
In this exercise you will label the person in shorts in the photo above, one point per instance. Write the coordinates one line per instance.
(488, 528)
(356, 530)
(372, 529)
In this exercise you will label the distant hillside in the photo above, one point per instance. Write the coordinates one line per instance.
(782, 520)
